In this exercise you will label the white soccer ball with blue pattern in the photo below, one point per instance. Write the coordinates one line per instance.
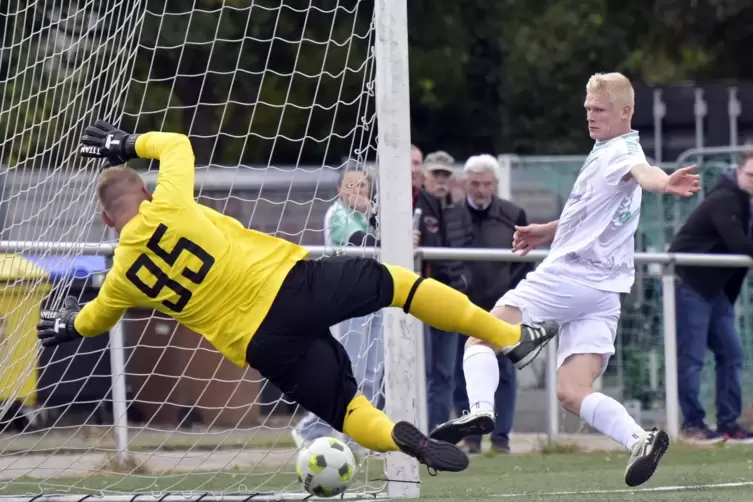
(326, 468)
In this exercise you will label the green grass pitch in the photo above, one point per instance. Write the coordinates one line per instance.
(686, 474)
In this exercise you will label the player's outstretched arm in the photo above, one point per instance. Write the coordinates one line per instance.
(650, 178)
(176, 176)
(57, 326)
(176, 171)
(528, 237)
(72, 323)
(683, 182)
(102, 313)
(97, 317)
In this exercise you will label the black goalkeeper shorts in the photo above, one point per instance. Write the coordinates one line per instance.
(294, 348)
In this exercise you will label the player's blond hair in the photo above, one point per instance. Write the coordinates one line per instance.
(615, 86)
(116, 185)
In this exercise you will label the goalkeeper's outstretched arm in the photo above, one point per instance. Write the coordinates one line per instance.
(175, 181)
(102, 313)
(176, 175)
(72, 323)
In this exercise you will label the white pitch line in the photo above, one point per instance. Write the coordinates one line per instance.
(678, 488)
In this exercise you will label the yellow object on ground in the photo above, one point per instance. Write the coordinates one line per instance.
(23, 286)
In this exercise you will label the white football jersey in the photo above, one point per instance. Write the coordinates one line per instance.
(595, 240)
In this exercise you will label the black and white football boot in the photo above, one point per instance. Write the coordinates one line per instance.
(645, 457)
(533, 338)
(434, 454)
(476, 422)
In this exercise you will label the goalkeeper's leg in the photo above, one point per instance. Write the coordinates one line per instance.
(450, 310)
(447, 309)
(314, 370)
(343, 288)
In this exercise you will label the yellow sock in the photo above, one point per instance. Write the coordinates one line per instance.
(450, 310)
(369, 426)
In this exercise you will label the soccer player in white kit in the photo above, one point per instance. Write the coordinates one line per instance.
(577, 286)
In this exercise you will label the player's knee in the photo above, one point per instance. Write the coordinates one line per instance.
(574, 381)
(472, 342)
(564, 394)
(404, 283)
(571, 393)
(508, 314)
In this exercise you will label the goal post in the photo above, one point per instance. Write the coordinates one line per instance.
(278, 98)
(403, 338)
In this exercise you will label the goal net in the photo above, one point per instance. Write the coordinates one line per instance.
(279, 98)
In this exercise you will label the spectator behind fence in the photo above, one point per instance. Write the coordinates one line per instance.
(493, 222)
(431, 228)
(346, 223)
(440, 348)
(705, 296)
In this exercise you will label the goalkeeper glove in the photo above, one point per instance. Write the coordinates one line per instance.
(104, 141)
(56, 327)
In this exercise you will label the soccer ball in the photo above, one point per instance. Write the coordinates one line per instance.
(326, 467)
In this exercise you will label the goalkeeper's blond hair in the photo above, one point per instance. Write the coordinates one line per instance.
(117, 186)
(614, 86)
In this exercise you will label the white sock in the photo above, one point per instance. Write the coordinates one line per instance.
(611, 419)
(481, 371)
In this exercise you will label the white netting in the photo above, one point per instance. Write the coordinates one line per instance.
(277, 98)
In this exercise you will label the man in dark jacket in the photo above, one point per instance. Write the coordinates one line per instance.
(439, 175)
(705, 299)
(440, 348)
(493, 223)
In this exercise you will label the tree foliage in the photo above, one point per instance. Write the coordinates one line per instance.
(274, 81)
(539, 55)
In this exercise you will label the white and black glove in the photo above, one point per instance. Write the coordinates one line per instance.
(56, 327)
(104, 141)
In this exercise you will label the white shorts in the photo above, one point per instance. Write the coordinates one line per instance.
(587, 316)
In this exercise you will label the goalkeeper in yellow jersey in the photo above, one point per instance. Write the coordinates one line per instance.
(258, 299)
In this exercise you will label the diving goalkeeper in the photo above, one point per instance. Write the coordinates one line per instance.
(256, 298)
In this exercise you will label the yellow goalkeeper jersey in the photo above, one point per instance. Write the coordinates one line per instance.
(190, 262)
